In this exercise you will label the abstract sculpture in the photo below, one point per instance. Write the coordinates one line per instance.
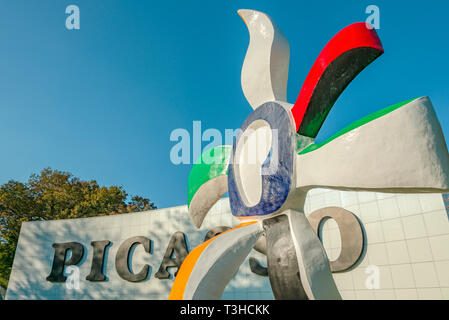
(399, 149)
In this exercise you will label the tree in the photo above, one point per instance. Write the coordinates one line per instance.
(53, 195)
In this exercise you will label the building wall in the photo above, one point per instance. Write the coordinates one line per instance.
(406, 240)
(34, 255)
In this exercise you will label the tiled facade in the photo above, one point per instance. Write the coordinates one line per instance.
(406, 240)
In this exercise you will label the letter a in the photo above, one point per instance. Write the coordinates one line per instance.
(373, 20)
(72, 21)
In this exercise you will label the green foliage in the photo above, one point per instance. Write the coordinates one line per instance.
(53, 195)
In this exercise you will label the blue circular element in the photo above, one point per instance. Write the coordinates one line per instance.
(275, 186)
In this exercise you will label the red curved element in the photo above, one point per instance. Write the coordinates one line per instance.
(341, 60)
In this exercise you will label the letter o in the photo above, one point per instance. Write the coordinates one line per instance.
(351, 233)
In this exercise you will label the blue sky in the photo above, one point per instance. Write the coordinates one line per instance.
(102, 101)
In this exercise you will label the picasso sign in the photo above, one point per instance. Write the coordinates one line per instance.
(67, 254)
(274, 162)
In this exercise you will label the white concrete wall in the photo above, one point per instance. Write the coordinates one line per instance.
(34, 255)
(407, 237)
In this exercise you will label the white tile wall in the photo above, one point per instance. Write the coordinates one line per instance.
(436, 222)
(407, 238)
(419, 250)
(429, 293)
(442, 268)
(402, 275)
(439, 247)
(392, 229)
(397, 252)
(406, 294)
(414, 226)
(378, 254)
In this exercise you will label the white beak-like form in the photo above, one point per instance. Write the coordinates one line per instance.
(265, 69)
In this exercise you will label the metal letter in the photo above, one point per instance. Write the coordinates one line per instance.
(96, 271)
(123, 261)
(350, 231)
(178, 247)
(59, 260)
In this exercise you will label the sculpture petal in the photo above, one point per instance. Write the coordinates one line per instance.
(208, 182)
(399, 149)
(209, 267)
(298, 266)
(265, 68)
(312, 259)
(341, 60)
